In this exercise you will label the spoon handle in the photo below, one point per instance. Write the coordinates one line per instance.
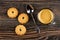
(33, 18)
(38, 30)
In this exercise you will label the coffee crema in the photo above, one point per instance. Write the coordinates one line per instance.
(45, 16)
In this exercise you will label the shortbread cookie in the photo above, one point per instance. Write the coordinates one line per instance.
(20, 30)
(12, 12)
(23, 18)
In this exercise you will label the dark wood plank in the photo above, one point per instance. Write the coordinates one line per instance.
(7, 25)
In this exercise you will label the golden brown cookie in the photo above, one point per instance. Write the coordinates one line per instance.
(12, 12)
(20, 30)
(45, 16)
(23, 18)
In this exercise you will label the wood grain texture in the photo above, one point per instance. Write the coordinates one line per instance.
(7, 25)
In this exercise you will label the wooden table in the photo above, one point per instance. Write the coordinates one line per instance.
(7, 25)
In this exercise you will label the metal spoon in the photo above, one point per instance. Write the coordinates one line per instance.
(30, 10)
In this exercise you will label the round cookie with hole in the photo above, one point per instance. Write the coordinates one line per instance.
(23, 18)
(20, 30)
(12, 12)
